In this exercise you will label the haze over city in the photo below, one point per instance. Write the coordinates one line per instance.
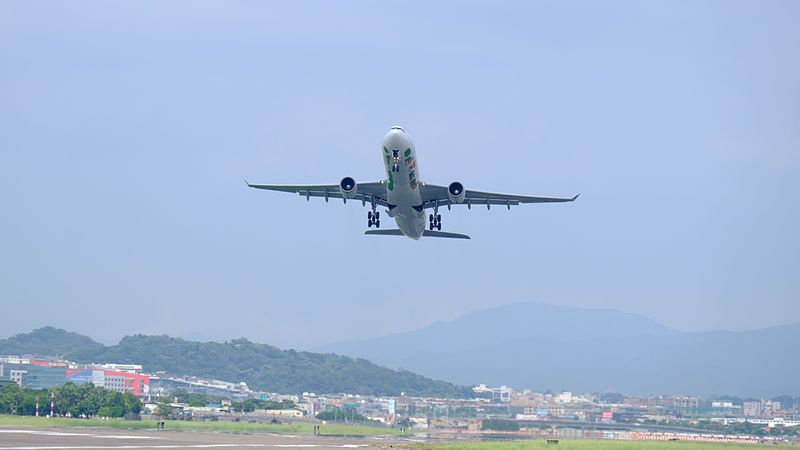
(127, 129)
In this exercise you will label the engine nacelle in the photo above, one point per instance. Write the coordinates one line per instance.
(456, 192)
(348, 187)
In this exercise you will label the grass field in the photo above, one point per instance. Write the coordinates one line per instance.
(586, 444)
(295, 428)
(355, 430)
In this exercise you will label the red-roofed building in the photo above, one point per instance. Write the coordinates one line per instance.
(138, 385)
(59, 364)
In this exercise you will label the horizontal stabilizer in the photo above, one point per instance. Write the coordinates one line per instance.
(444, 234)
(394, 232)
(440, 234)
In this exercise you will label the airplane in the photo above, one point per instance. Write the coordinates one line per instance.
(404, 196)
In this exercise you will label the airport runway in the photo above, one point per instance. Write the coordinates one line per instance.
(43, 438)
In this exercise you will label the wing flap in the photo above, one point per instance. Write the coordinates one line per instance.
(366, 192)
(434, 195)
(478, 197)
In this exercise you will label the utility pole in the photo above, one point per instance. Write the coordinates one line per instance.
(52, 400)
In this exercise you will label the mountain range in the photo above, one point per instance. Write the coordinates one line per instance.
(262, 367)
(540, 347)
(527, 346)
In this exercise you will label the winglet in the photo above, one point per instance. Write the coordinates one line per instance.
(245, 181)
(573, 198)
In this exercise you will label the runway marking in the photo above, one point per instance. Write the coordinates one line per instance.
(316, 445)
(145, 446)
(79, 447)
(73, 447)
(61, 433)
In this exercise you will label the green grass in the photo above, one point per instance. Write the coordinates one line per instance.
(295, 428)
(580, 444)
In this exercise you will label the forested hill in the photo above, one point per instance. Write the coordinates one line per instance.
(264, 367)
(47, 341)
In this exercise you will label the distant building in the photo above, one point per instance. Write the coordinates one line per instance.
(136, 384)
(752, 409)
(501, 394)
(686, 402)
(58, 364)
(776, 421)
(12, 359)
(33, 376)
(14, 374)
(160, 386)
(282, 412)
(564, 397)
(771, 407)
(43, 377)
(46, 374)
(725, 407)
(129, 368)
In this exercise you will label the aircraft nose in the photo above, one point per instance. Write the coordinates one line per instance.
(396, 138)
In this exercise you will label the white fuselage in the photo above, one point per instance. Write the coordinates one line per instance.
(402, 183)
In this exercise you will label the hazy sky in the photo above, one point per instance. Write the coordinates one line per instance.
(126, 129)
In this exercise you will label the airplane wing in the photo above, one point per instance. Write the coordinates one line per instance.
(433, 195)
(365, 192)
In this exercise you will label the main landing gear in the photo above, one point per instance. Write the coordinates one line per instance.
(373, 218)
(435, 221)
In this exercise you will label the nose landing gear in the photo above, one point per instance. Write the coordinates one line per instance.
(373, 218)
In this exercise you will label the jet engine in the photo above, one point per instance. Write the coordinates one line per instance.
(348, 187)
(456, 192)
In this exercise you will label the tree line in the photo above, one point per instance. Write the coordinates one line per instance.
(85, 400)
(500, 425)
(338, 414)
(165, 408)
(749, 428)
(252, 404)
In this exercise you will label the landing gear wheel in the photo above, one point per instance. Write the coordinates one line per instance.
(435, 221)
(369, 215)
(377, 224)
(377, 215)
(369, 224)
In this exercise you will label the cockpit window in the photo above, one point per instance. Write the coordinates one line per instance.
(398, 128)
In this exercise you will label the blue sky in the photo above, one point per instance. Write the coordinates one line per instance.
(126, 129)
